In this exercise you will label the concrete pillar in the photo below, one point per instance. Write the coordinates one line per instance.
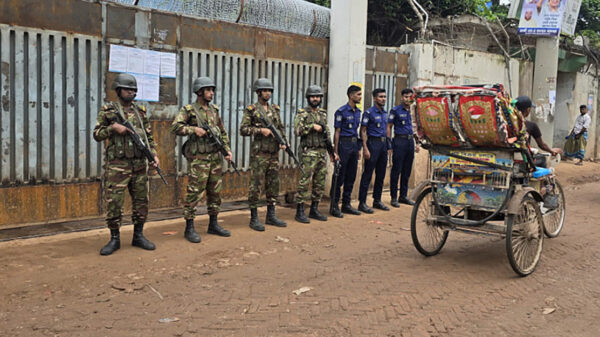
(544, 83)
(347, 56)
(347, 51)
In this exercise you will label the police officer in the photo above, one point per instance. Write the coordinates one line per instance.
(403, 148)
(126, 166)
(310, 124)
(205, 163)
(375, 148)
(347, 146)
(264, 158)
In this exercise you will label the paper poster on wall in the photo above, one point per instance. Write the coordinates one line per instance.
(152, 62)
(168, 65)
(142, 61)
(118, 59)
(148, 87)
(542, 17)
(590, 103)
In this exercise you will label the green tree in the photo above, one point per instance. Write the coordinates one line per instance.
(588, 23)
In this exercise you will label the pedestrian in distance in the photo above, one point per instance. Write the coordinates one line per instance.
(403, 148)
(375, 150)
(264, 154)
(310, 124)
(347, 145)
(126, 165)
(200, 122)
(577, 139)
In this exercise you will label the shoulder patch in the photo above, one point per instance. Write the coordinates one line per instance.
(250, 107)
(142, 108)
(188, 107)
(276, 106)
(301, 111)
(215, 106)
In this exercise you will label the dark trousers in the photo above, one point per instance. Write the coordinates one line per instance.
(377, 163)
(402, 160)
(348, 152)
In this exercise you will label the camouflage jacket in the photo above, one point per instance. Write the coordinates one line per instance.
(304, 123)
(186, 122)
(251, 126)
(121, 146)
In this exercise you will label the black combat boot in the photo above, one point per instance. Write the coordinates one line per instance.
(362, 206)
(139, 240)
(214, 228)
(379, 205)
(300, 216)
(254, 222)
(113, 245)
(190, 232)
(395, 203)
(314, 212)
(334, 210)
(348, 209)
(272, 219)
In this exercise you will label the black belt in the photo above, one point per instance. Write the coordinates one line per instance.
(348, 139)
(378, 139)
(403, 136)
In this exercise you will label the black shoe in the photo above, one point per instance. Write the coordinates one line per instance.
(362, 206)
(395, 203)
(334, 210)
(379, 205)
(300, 216)
(139, 240)
(214, 228)
(254, 222)
(272, 219)
(113, 245)
(404, 200)
(348, 209)
(190, 232)
(314, 212)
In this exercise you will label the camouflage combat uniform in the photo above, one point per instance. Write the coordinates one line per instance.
(126, 166)
(264, 158)
(205, 162)
(313, 153)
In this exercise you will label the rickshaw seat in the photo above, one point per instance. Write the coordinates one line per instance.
(541, 172)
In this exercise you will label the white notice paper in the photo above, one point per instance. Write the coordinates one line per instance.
(135, 60)
(152, 63)
(168, 65)
(118, 59)
(148, 87)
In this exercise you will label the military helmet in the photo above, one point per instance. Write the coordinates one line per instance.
(202, 82)
(314, 90)
(263, 84)
(125, 81)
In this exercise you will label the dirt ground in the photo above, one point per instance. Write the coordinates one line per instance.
(362, 273)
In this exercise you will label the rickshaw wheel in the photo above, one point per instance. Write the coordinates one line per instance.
(524, 237)
(553, 223)
(428, 237)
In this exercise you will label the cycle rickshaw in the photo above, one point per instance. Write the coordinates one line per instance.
(482, 176)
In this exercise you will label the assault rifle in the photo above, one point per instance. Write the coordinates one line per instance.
(139, 143)
(279, 139)
(218, 143)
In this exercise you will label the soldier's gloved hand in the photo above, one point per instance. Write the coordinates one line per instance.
(265, 132)
(200, 132)
(317, 127)
(228, 156)
(120, 129)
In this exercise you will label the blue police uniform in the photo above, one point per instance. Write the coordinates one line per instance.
(347, 120)
(376, 122)
(403, 150)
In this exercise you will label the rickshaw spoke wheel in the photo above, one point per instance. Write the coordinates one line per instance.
(553, 222)
(427, 235)
(524, 237)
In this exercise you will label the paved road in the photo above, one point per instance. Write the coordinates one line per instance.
(364, 275)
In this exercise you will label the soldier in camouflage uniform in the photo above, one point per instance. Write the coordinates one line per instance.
(205, 162)
(264, 155)
(310, 125)
(126, 165)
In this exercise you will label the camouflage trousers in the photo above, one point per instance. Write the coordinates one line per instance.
(264, 171)
(315, 170)
(121, 174)
(205, 174)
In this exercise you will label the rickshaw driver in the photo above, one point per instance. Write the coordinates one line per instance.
(524, 105)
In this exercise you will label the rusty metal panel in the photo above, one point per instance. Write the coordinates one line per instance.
(370, 59)
(402, 65)
(217, 36)
(64, 15)
(50, 101)
(120, 23)
(385, 61)
(295, 48)
(164, 28)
